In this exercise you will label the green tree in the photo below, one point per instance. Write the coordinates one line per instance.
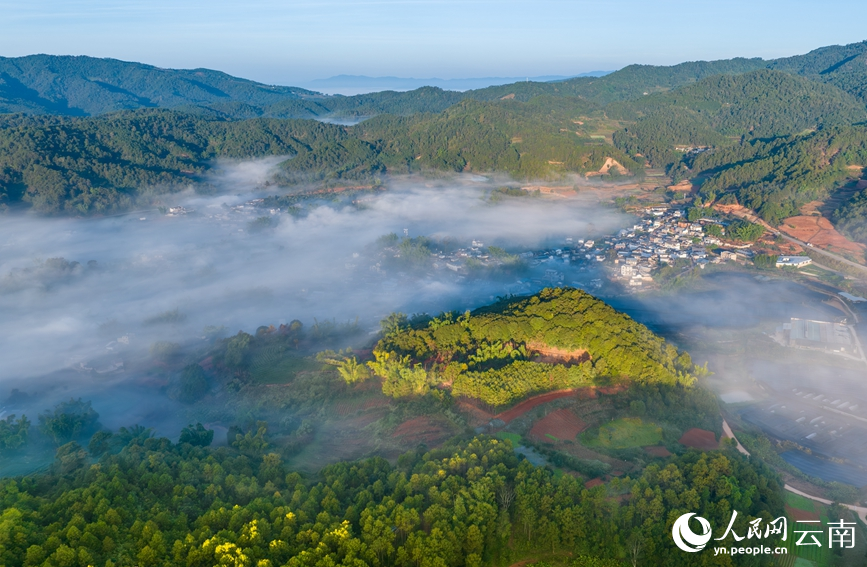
(196, 435)
(68, 421)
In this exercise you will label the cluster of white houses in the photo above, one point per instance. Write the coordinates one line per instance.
(663, 236)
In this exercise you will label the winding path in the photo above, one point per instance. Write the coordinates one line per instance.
(860, 510)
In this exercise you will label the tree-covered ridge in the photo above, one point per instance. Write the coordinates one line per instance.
(158, 504)
(558, 338)
(89, 85)
(84, 165)
(530, 139)
(46, 84)
(759, 104)
(103, 164)
(851, 217)
(844, 66)
(775, 177)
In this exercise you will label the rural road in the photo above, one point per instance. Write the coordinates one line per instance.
(860, 510)
(752, 217)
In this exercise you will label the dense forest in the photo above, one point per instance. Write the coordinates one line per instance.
(717, 110)
(851, 217)
(105, 164)
(131, 499)
(776, 176)
(98, 165)
(559, 338)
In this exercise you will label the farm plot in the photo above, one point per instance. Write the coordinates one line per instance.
(559, 425)
(623, 434)
(700, 439)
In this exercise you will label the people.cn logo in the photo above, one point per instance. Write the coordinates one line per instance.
(688, 540)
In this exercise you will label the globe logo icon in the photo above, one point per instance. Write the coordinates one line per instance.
(688, 540)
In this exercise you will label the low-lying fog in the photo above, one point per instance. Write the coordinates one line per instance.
(148, 276)
(78, 296)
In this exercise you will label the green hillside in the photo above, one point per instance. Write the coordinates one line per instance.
(775, 177)
(103, 164)
(99, 165)
(498, 353)
(758, 104)
(844, 66)
(88, 85)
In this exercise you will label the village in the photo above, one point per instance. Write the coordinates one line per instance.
(660, 237)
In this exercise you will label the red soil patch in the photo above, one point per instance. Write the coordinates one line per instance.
(531, 403)
(731, 209)
(593, 482)
(420, 430)
(554, 355)
(699, 439)
(470, 406)
(477, 415)
(818, 231)
(657, 451)
(801, 515)
(561, 423)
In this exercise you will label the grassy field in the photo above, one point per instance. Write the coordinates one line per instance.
(513, 437)
(799, 502)
(623, 434)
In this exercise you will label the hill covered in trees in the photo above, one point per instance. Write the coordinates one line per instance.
(776, 176)
(719, 110)
(558, 338)
(104, 164)
(99, 165)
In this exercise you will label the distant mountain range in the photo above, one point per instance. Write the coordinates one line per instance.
(82, 86)
(360, 84)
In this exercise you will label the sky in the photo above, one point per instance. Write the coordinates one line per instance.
(290, 42)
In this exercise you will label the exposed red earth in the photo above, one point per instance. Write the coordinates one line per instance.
(561, 424)
(699, 439)
(657, 451)
(420, 430)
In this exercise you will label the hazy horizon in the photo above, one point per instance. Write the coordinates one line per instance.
(277, 43)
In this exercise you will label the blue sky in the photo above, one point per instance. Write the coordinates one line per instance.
(293, 41)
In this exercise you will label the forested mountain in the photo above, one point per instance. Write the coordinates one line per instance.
(740, 109)
(525, 140)
(775, 177)
(844, 66)
(758, 104)
(87, 85)
(102, 164)
(97, 165)
(48, 84)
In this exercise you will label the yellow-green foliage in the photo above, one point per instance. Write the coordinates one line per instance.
(488, 354)
(477, 504)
